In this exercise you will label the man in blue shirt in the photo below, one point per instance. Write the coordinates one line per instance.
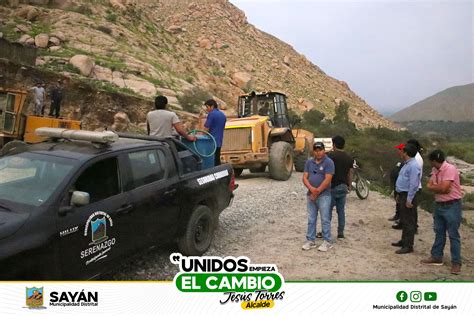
(215, 124)
(317, 176)
(406, 186)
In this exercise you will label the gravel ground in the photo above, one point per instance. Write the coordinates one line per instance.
(267, 222)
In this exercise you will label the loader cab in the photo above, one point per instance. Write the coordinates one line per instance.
(11, 108)
(7, 112)
(271, 104)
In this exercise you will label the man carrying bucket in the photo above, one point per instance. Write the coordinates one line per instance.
(215, 125)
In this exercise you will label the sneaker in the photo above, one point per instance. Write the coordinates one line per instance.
(308, 245)
(319, 235)
(456, 268)
(340, 235)
(325, 246)
(432, 261)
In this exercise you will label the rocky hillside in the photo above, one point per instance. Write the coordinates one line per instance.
(170, 47)
(455, 104)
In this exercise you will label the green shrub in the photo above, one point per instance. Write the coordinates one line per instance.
(192, 99)
(313, 117)
(111, 17)
(38, 28)
(218, 72)
(463, 149)
(294, 117)
(70, 68)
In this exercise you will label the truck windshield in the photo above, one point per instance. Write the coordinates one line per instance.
(30, 178)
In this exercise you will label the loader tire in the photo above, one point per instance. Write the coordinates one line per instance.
(301, 158)
(280, 165)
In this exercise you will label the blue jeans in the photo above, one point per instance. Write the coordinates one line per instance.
(447, 218)
(338, 199)
(323, 205)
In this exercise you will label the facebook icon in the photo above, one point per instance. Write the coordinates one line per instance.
(402, 296)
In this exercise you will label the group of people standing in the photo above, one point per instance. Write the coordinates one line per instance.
(328, 178)
(39, 97)
(444, 182)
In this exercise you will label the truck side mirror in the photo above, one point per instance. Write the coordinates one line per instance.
(80, 198)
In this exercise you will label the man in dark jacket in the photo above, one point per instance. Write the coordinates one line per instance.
(56, 98)
(341, 181)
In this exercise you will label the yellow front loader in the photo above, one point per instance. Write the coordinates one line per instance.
(262, 136)
(17, 126)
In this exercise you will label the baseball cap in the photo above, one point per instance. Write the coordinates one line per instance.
(400, 146)
(319, 145)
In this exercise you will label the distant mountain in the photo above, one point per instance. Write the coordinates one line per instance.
(453, 104)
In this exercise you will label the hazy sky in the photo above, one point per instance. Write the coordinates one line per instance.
(391, 53)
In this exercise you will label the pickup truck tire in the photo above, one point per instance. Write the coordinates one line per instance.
(280, 165)
(199, 232)
(300, 159)
(259, 169)
(238, 172)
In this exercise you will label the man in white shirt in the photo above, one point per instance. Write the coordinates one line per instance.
(419, 160)
(39, 96)
(161, 122)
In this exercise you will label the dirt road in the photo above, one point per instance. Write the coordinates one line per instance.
(267, 223)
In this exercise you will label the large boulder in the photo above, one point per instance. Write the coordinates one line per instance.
(24, 38)
(83, 63)
(32, 14)
(28, 12)
(55, 48)
(242, 79)
(41, 40)
(55, 41)
(30, 41)
(60, 35)
(23, 11)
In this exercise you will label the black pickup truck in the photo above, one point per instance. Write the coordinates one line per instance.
(75, 209)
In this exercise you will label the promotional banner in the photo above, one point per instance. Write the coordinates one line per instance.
(234, 286)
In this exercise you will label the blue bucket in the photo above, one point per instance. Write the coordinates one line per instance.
(205, 147)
